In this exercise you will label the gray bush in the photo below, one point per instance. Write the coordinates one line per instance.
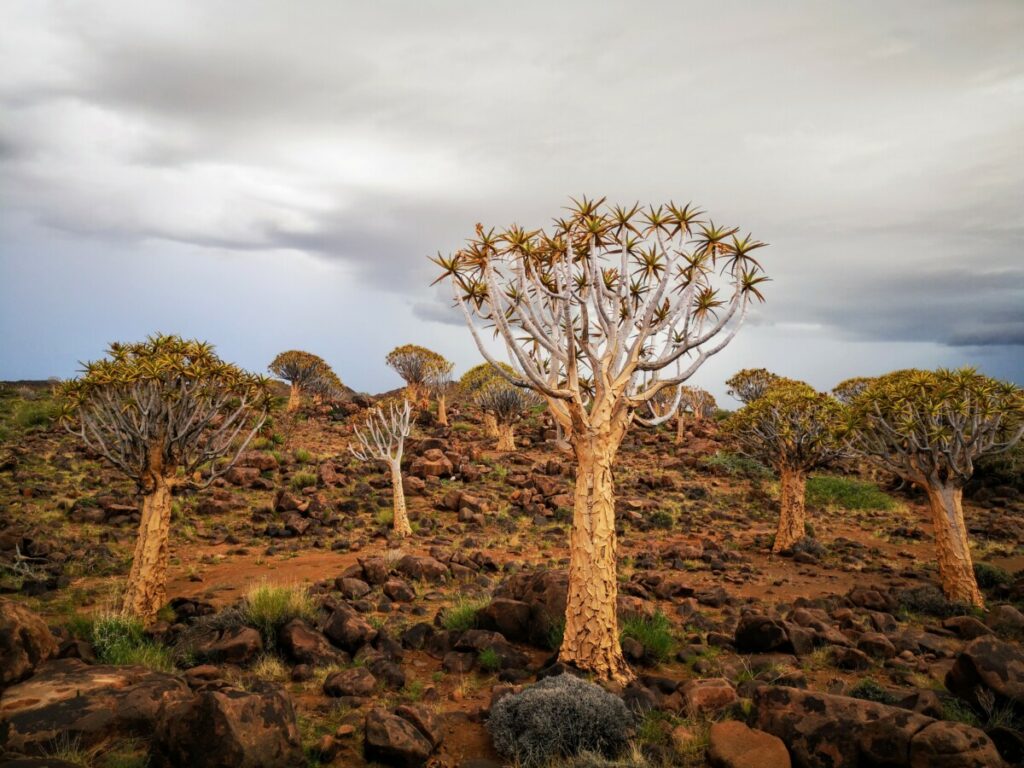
(559, 717)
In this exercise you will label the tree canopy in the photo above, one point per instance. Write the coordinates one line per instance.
(415, 364)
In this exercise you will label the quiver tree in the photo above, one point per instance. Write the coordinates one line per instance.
(439, 383)
(383, 439)
(305, 372)
(793, 429)
(507, 404)
(478, 377)
(326, 387)
(415, 365)
(160, 411)
(750, 383)
(598, 315)
(697, 402)
(929, 427)
(848, 391)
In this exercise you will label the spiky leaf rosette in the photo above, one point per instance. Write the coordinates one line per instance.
(848, 390)
(611, 304)
(481, 375)
(506, 402)
(790, 426)
(164, 404)
(930, 426)
(415, 364)
(750, 383)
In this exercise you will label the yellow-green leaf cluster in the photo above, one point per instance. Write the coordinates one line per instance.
(415, 364)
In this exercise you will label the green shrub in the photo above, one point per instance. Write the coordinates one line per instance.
(662, 518)
(120, 640)
(489, 660)
(302, 456)
(931, 602)
(846, 493)
(268, 607)
(303, 480)
(990, 576)
(870, 690)
(36, 414)
(556, 633)
(735, 465)
(462, 615)
(654, 633)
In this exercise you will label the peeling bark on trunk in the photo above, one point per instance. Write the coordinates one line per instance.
(146, 592)
(401, 517)
(680, 427)
(490, 425)
(591, 639)
(442, 411)
(506, 438)
(956, 569)
(792, 526)
(294, 399)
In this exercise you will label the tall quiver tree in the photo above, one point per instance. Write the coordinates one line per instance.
(304, 371)
(507, 404)
(160, 411)
(793, 429)
(598, 315)
(478, 377)
(929, 427)
(415, 365)
(383, 439)
(439, 383)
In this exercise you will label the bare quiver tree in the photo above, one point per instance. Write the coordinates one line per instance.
(439, 383)
(415, 365)
(507, 404)
(848, 391)
(161, 411)
(929, 427)
(305, 372)
(598, 315)
(795, 430)
(478, 377)
(383, 439)
(750, 383)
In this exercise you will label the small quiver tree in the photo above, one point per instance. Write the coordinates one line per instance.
(507, 404)
(848, 391)
(793, 429)
(476, 379)
(305, 372)
(439, 383)
(326, 387)
(598, 315)
(749, 384)
(161, 411)
(698, 403)
(383, 439)
(929, 427)
(415, 365)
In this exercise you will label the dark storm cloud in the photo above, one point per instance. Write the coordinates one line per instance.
(876, 146)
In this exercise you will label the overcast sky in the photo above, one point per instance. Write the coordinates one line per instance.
(270, 175)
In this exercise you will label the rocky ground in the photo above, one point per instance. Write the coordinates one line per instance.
(299, 633)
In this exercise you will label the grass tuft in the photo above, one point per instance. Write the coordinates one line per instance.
(654, 633)
(462, 615)
(832, 491)
(268, 607)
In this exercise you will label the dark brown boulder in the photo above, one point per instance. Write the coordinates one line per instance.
(229, 728)
(91, 704)
(25, 642)
(357, 681)
(302, 644)
(348, 630)
(731, 744)
(236, 645)
(422, 568)
(392, 740)
(988, 664)
(944, 744)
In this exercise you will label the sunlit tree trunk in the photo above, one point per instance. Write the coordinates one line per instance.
(506, 437)
(294, 398)
(680, 427)
(146, 592)
(400, 524)
(442, 411)
(591, 639)
(792, 515)
(956, 569)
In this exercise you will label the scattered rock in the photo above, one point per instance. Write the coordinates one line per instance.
(25, 642)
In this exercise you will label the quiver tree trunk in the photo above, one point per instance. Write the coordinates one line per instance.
(956, 569)
(680, 427)
(792, 514)
(591, 639)
(400, 523)
(506, 437)
(490, 425)
(442, 411)
(146, 592)
(294, 398)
